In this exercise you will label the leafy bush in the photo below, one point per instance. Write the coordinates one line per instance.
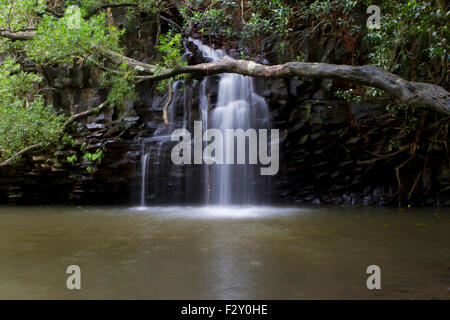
(121, 85)
(25, 119)
(170, 48)
(55, 42)
(256, 18)
(413, 40)
(20, 15)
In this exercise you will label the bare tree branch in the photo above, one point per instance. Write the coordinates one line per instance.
(171, 22)
(18, 154)
(119, 59)
(19, 35)
(415, 94)
(84, 114)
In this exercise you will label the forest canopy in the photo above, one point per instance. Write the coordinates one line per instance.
(412, 42)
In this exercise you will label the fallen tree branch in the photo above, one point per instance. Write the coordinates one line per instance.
(415, 94)
(120, 59)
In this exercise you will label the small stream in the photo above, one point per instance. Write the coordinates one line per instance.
(224, 252)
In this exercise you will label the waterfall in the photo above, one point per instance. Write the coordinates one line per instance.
(155, 150)
(204, 109)
(237, 106)
(144, 159)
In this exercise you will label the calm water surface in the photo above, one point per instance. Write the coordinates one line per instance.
(224, 253)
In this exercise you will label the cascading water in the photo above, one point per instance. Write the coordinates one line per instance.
(144, 160)
(154, 151)
(237, 106)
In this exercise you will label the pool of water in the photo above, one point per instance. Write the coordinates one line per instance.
(224, 252)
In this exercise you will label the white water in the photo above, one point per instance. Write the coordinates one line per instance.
(237, 107)
(144, 159)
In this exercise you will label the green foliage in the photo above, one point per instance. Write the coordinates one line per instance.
(348, 95)
(121, 85)
(150, 6)
(170, 48)
(356, 95)
(8, 47)
(395, 144)
(72, 159)
(412, 124)
(413, 40)
(93, 157)
(320, 9)
(301, 57)
(257, 18)
(335, 19)
(87, 156)
(25, 119)
(396, 107)
(15, 84)
(56, 42)
(212, 21)
(26, 126)
(272, 17)
(20, 15)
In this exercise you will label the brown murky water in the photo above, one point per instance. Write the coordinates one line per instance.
(224, 253)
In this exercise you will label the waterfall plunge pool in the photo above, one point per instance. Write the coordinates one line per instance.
(224, 252)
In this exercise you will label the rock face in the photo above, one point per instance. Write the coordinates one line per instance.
(330, 152)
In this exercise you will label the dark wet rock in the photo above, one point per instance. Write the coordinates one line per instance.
(95, 126)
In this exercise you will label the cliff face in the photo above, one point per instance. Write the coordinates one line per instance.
(330, 150)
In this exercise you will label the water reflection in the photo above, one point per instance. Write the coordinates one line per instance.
(221, 212)
(224, 252)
